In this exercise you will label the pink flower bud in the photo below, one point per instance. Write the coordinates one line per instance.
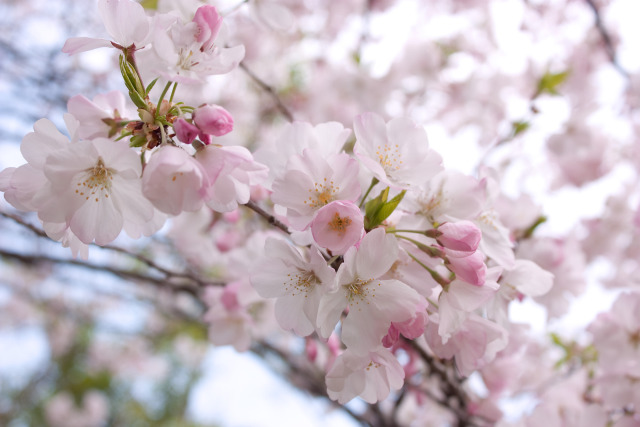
(213, 120)
(470, 269)
(185, 131)
(337, 226)
(462, 236)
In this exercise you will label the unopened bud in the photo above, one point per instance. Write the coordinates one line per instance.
(185, 131)
(462, 236)
(213, 120)
(471, 269)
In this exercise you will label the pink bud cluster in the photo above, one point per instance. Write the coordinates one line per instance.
(208, 120)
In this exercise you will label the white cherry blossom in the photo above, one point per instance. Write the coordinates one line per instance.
(297, 281)
(373, 303)
(397, 152)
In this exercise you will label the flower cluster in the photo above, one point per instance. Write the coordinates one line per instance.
(386, 262)
(420, 253)
(90, 188)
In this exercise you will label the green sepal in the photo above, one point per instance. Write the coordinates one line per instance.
(379, 209)
(133, 83)
(150, 86)
(127, 75)
(137, 99)
(163, 120)
(137, 141)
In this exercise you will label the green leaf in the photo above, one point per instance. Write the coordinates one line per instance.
(388, 208)
(379, 209)
(519, 127)
(550, 81)
(372, 207)
(555, 338)
(150, 4)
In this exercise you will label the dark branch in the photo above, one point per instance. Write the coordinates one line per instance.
(124, 274)
(451, 386)
(606, 38)
(266, 215)
(270, 90)
(168, 274)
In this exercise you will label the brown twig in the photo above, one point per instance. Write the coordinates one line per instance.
(450, 385)
(168, 274)
(270, 90)
(606, 38)
(266, 215)
(124, 274)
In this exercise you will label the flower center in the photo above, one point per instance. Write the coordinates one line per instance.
(358, 291)
(389, 157)
(321, 194)
(301, 282)
(339, 224)
(186, 62)
(372, 364)
(96, 183)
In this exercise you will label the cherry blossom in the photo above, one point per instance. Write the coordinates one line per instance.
(397, 153)
(99, 117)
(461, 236)
(372, 376)
(213, 120)
(337, 226)
(311, 182)
(327, 138)
(398, 290)
(231, 171)
(95, 188)
(174, 181)
(125, 21)
(297, 282)
(189, 52)
(373, 303)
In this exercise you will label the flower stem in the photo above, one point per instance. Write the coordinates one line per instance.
(436, 276)
(374, 181)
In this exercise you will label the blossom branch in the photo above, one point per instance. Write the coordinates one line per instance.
(124, 274)
(270, 218)
(169, 274)
(270, 90)
(450, 387)
(606, 38)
